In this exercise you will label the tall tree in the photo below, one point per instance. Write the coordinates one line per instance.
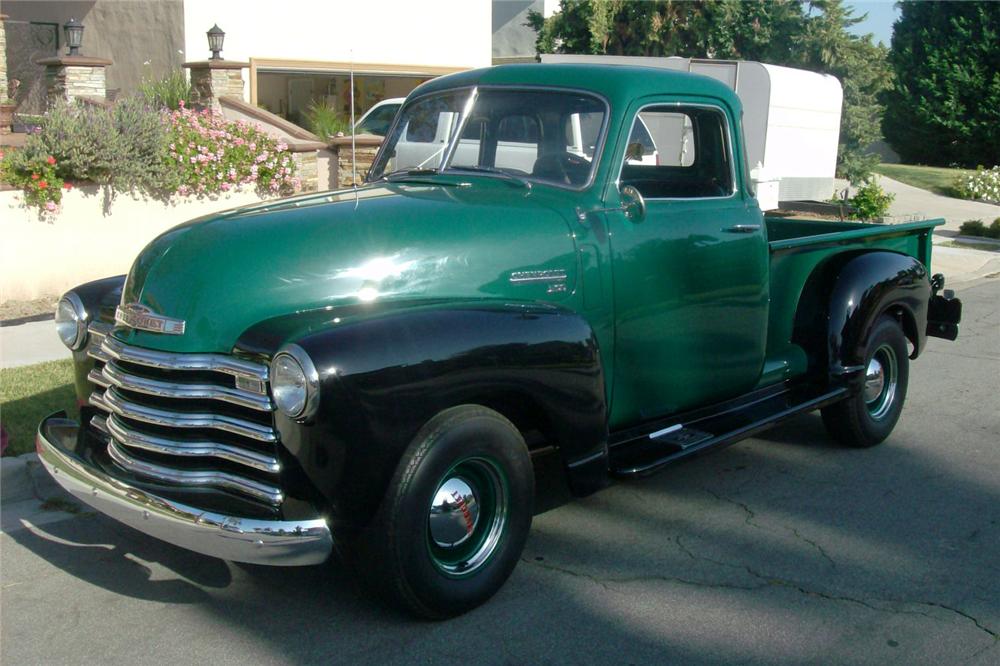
(812, 35)
(944, 107)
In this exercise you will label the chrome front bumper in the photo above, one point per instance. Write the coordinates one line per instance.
(273, 542)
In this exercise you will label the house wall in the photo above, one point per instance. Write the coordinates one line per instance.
(453, 33)
(144, 38)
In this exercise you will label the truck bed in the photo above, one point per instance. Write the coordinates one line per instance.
(797, 247)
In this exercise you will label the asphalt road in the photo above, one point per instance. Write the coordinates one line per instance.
(781, 549)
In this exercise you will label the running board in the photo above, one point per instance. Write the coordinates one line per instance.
(642, 453)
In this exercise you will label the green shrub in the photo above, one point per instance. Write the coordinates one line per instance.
(870, 202)
(122, 147)
(170, 92)
(325, 121)
(977, 228)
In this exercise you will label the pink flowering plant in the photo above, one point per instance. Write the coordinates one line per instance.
(213, 155)
(37, 176)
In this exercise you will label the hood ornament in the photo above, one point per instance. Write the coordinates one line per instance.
(142, 318)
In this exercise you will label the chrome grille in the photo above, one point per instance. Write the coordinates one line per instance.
(186, 419)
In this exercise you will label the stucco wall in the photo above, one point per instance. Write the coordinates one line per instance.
(131, 33)
(40, 258)
(426, 32)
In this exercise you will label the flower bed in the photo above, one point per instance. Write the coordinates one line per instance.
(159, 154)
(983, 185)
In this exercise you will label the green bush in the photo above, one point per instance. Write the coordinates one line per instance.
(122, 147)
(325, 121)
(977, 228)
(170, 92)
(870, 202)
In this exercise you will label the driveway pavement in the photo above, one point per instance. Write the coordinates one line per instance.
(34, 342)
(782, 549)
(913, 201)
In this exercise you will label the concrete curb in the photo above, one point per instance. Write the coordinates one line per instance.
(23, 478)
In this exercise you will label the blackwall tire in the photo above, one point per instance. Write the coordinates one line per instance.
(866, 418)
(455, 517)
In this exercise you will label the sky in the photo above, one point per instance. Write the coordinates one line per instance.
(881, 14)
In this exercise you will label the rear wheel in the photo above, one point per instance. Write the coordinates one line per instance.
(866, 418)
(456, 515)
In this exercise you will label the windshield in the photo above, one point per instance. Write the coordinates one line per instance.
(540, 135)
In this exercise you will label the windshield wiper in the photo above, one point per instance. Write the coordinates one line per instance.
(509, 177)
(403, 174)
(418, 176)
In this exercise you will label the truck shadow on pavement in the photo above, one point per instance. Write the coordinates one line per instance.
(786, 518)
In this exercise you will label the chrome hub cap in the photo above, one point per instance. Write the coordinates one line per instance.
(454, 513)
(467, 516)
(881, 378)
(874, 380)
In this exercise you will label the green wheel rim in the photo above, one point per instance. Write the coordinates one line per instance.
(881, 382)
(480, 490)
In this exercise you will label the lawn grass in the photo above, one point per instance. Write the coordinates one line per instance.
(29, 394)
(935, 179)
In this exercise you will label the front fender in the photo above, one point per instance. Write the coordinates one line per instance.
(867, 286)
(385, 374)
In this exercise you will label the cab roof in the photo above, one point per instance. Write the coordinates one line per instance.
(619, 84)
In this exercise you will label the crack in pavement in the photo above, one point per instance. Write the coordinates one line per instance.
(751, 521)
(766, 582)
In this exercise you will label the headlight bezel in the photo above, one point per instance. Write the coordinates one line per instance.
(79, 317)
(310, 403)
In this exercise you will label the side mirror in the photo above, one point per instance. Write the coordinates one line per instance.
(633, 204)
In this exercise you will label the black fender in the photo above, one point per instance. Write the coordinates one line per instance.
(867, 286)
(100, 298)
(384, 374)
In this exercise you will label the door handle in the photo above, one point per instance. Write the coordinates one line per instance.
(742, 229)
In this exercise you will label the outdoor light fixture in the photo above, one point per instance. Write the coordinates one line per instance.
(73, 30)
(215, 38)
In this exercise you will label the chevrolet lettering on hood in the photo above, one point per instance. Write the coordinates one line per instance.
(140, 317)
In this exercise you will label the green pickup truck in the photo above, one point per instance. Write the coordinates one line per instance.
(372, 371)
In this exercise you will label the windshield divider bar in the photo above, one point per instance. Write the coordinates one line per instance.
(462, 119)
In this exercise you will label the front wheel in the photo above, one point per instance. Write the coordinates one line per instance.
(866, 418)
(455, 518)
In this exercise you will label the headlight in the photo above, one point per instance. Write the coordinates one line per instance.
(294, 383)
(71, 321)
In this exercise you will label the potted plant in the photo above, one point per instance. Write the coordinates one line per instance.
(7, 107)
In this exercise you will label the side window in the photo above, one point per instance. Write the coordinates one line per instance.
(679, 153)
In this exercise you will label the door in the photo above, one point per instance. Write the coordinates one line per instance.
(690, 277)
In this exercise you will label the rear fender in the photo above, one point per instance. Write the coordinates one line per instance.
(868, 286)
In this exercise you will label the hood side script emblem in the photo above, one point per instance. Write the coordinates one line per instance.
(142, 318)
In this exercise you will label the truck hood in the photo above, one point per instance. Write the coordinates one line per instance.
(223, 273)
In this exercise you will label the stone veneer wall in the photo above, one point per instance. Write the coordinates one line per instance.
(3, 59)
(208, 84)
(68, 83)
(366, 147)
(306, 169)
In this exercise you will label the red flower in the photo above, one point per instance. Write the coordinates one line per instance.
(42, 184)
(51, 160)
(34, 176)
(68, 186)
